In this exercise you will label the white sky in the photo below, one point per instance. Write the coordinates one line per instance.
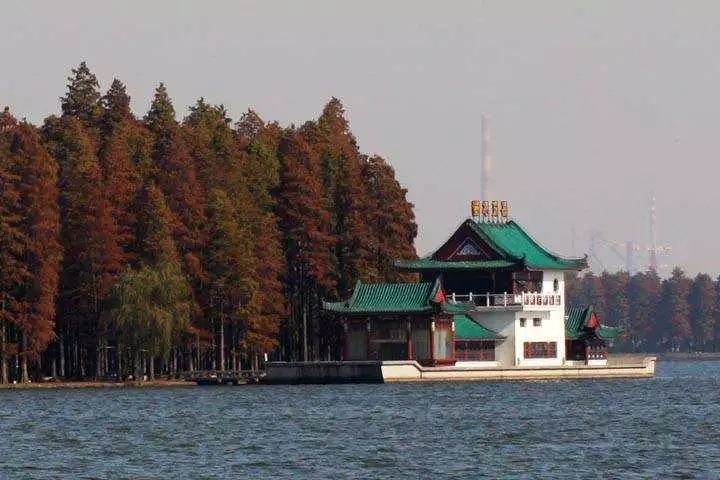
(592, 104)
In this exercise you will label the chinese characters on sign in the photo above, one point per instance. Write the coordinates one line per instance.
(492, 211)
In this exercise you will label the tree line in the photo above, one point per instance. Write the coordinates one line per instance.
(133, 246)
(673, 314)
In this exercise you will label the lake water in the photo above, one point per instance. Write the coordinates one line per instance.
(666, 427)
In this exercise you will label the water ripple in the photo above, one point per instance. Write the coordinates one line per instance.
(666, 427)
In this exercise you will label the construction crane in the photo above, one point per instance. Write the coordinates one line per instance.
(627, 252)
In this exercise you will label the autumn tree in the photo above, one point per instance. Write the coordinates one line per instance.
(90, 237)
(643, 300)
(592, 292)
(308, 241)
(13, 270)
(42, 251)
(261, 168)
(674, 310)
(392, 219)
(175, 173)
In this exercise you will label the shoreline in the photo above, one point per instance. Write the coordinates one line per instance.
(93, 384)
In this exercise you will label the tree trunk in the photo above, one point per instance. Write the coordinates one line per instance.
(119, 362)
(61, 341)
(24, 360)
(98, 357)
(3, 356)
(151, 367)
(137, 365)
(222, 342)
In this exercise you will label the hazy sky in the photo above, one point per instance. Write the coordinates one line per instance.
(592, 105)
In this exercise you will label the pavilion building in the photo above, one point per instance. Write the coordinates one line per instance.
(489, 296)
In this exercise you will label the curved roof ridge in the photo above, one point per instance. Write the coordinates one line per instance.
(475, 226)
(540, 245)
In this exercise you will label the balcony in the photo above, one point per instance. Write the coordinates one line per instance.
(516, 301)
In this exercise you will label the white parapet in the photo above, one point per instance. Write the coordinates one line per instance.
(411, 371)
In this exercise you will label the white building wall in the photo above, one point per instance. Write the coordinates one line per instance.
(511, 351)
(552, 327)
(549, 277)
(502, 322)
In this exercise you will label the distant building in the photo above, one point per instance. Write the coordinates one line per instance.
(489, 296)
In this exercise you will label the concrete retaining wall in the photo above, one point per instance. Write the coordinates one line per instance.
(323, 372)
(409, 371)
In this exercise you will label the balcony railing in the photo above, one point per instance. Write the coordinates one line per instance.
(504, 300)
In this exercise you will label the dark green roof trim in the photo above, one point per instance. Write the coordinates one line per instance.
(388, 298)
(429, 264)
(460, 307)
(468, 329)
(512, 242)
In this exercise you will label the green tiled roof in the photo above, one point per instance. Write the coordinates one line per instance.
(576, 325)
(467, 329)
(576, 320)
(512, 241)
(609, 333)
(430, 264)
(388, 298)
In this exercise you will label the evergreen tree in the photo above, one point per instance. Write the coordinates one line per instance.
(155, 228)
(116, 105)
(82, 99)
(230, 266)
(162, 112)
(703, 306)
(176, 175)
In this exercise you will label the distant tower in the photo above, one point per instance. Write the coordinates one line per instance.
(485, 193)
(630, 257)
(653, 235)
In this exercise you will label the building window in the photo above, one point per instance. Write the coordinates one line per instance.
(475, 350)
(556, 285)
(540, 349)
(522, 322)
(537, 322)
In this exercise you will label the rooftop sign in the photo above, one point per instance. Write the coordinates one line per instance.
(489, 211)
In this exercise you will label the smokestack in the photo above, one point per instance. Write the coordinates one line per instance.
(485, 193)
(653, 235)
